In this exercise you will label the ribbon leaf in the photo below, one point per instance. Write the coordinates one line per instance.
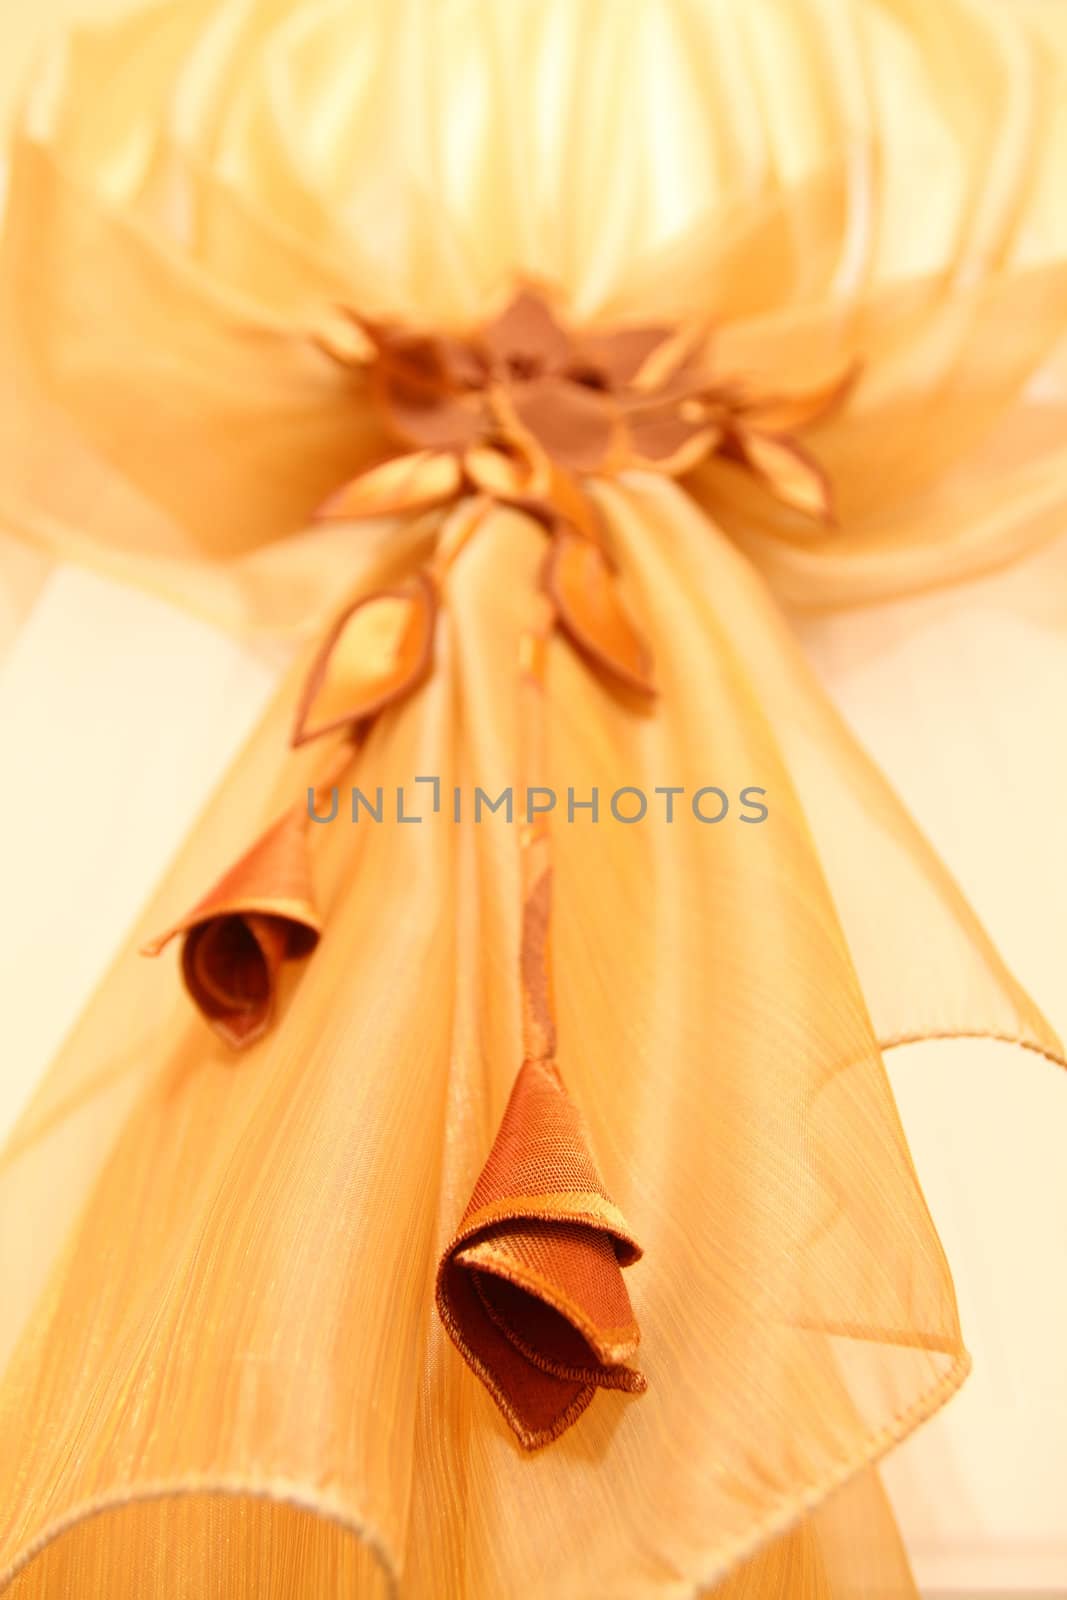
(259, 914)
(508, 470)
(580, 584)
(791, 474)
(338, 332)
(559, 501)
(677, 366)
(412, 482)
(530, 1288)
(578, 427)
(568, 501)
(378, 650)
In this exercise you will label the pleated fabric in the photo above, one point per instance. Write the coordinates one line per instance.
(220, 1367)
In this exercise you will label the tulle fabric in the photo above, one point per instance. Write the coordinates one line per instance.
(222, 1370)
(178, 235)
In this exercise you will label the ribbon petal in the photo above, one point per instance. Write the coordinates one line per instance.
(508, 471)
(463, 364)
(568, 501)
(618, 355)
(411, 482)
(530, 1288)
(430, 420)
(559, 502)
(577, 426)
(378, 650)
(666, 442)
(580, 584)
(675, 366)
(340, 334)
(526, 336)
(411, 356)
(260, 913)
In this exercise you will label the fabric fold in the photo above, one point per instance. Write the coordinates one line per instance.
(530, 1288)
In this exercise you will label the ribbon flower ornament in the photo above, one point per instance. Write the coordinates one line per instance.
(523, 408)
(524, 412)
(521, 412)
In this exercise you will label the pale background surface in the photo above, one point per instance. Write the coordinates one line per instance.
(960, 696)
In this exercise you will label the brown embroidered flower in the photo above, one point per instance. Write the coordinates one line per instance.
(259, 914)
(524, 408)
(580, 584)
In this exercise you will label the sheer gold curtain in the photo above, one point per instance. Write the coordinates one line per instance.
(223, 1374)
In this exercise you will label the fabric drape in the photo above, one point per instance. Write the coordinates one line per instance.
(221, 1369)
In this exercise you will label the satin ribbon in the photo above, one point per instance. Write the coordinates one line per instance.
(520, 412)
(530, 1288)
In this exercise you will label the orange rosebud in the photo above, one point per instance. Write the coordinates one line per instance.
(376, 651)
(530, 1288)
(581, 586)
(259, 914)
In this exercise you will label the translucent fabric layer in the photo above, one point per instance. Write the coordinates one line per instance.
(222, 1369)
(178, 234)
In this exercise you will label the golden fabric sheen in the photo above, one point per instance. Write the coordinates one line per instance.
(221, 1373)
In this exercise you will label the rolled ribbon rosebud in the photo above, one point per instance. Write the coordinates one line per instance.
(259, 914)
(530, 1288)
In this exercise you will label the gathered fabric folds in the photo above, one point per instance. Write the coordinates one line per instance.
(221, 1368)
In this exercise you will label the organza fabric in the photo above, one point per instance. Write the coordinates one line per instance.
(222, 1370)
